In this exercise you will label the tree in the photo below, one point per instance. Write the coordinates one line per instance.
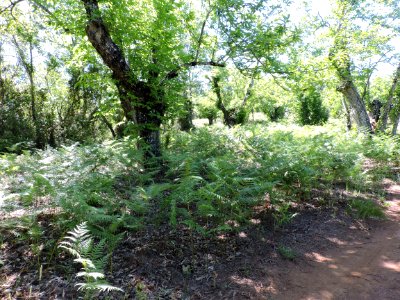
(311, 110)
(361, 41)
(143, 62)
(237, 113)
(389, 102)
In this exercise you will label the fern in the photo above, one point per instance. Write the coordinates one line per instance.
(79, 243)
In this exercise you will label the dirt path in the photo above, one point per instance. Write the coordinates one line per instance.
(367, 267)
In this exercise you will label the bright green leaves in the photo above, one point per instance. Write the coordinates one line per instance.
(254, 33)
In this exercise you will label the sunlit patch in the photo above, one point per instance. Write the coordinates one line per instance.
(336, 241)
(318, 257)
(331, 266)
(8, 280)
(221, 237)
(351, 251)
(255, 221)
(356, 274)
(258, 286)
(391, 265)
(326, 295)
(243, 234)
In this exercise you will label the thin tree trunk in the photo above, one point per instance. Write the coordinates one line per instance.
(386, 108)
(248, 92)
(109, 125)
(29, 69)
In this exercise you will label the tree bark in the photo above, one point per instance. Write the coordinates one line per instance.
(347, 112)
(186, 120)
(340, 59)
(396, 124)
(357, 106)
(386, 108)
(141, 103)
(233, 116)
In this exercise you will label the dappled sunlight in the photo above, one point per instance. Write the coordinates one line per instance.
(337, 241)
(391, 265)
(7, 281)
(258, 286)
(242, 234)
(317, 257)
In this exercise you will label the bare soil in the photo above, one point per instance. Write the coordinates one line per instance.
(337, 257)
(361, 266)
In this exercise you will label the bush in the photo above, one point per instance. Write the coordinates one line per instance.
(311, 111)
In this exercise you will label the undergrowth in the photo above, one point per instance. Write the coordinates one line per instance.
(214, 180)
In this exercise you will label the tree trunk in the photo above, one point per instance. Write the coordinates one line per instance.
(347, 112)
(396, 124)
(386, 108)
(340, 59)
(357, 106)
(142, 102)
(186, 120)
(229, 115)
(27, 63)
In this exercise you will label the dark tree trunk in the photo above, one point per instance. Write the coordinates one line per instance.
(231, 116)
(27, 63)
(141, 103)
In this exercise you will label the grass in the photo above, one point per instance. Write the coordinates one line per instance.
(286, 252)
(365, 209)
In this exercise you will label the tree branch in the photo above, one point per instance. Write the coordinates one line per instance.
(11, 6)
(101, 40)
(174, 73)
(201, 35)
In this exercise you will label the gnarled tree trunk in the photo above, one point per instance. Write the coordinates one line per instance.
(140, 102)
(388, 105)
(340, 59)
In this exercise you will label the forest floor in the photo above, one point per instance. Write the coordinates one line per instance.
(324, 253)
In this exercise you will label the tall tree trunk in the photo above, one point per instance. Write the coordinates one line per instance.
(386, 108)
(143, 101)
(227, 113)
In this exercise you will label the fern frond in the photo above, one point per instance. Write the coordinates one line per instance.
(103, 287)
(92, 275)
(87, 263)
(91, 256)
